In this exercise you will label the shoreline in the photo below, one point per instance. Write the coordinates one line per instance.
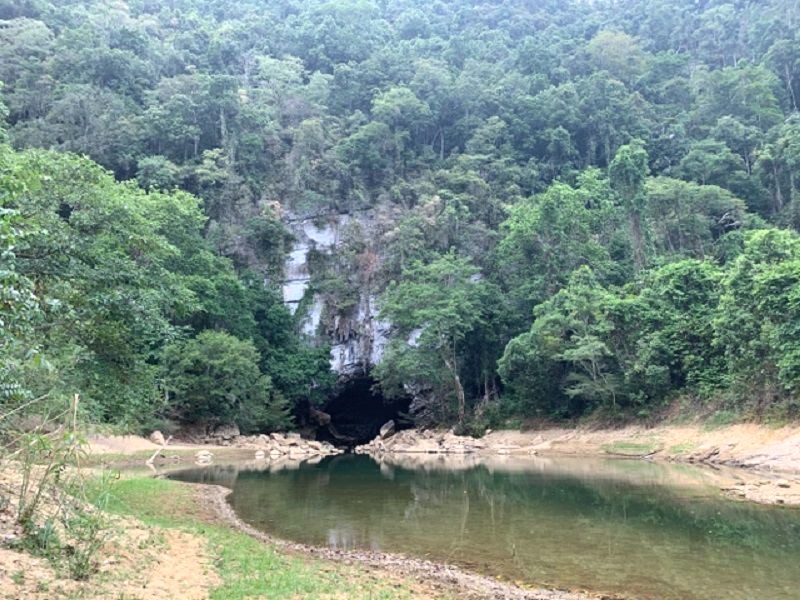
(764, 462)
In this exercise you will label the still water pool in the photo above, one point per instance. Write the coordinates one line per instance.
(633, 528)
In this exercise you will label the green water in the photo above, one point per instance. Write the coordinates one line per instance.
(628, 527)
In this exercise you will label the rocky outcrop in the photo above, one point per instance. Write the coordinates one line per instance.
(437, 442)
(357, 338)
(223, 434)
(275, 446)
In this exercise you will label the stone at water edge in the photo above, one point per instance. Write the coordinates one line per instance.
(158, 438)
(203, 457)
(260, 455)
(387, 429)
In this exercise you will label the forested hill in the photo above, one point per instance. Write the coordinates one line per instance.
(577, 206)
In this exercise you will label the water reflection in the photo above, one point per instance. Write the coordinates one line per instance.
(650, 530)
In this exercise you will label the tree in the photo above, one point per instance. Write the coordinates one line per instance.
(157, 173)
(434, 308)
(568, 342)
(687, 219)
(548, 236)
(757, 323)
(214, 378)
(618, 53)
(627, 174)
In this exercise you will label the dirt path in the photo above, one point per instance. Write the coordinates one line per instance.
(135, 561)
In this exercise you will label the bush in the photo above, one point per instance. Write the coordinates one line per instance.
(215, 378)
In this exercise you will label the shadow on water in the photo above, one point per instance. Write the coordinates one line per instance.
(640, 529)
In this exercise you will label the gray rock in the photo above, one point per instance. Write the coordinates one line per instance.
(158, 438)
(387, 429)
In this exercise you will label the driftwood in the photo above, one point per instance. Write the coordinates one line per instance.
(149, 461)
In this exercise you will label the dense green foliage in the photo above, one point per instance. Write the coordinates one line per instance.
(103, 283)
(621, 174)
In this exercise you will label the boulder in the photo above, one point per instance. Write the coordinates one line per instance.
(260, 455)
(387, 429)
(321, 418)
(782, 483)
(158, 438)
(227, 431)
(203, 457)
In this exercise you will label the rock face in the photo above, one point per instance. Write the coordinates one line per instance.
(349, 323)
(224, 434)
(357, 338)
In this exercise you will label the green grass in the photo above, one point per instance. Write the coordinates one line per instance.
(683, 448)
(248, 568)
(722, 418)
(631, 448)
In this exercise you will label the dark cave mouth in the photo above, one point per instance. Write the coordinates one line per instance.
(358, 411)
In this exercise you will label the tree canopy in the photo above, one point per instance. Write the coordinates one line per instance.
(572, 206)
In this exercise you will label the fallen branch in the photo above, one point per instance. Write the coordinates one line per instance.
(150, 460)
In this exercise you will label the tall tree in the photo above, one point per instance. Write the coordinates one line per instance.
(627, 173)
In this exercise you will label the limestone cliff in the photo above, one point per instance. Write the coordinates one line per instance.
(351, 325)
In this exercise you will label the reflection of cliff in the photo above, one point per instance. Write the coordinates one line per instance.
(327, 284)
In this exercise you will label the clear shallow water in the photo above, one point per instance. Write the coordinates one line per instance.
(628, 527)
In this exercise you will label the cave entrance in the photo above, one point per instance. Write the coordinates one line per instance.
(357, 413)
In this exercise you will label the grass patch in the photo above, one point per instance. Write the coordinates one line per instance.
(631, 448)
(721, 418)
(248, 568)
(683, 448)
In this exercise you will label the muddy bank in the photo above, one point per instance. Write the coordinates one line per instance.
(447, 578)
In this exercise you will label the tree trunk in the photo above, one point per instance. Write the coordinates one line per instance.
(778, 194)
(637, 243)
(462, 401)
(790, 86)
